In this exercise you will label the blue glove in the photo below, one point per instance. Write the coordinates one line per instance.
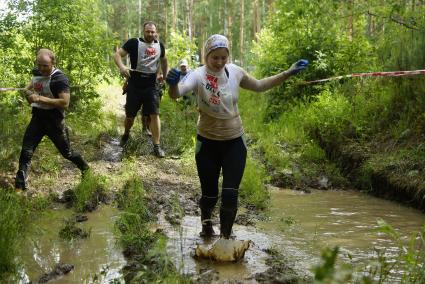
(297, 67)
(173, 77)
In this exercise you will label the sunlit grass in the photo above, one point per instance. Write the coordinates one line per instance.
(133, 223)
(253, 190)
(13, 219)
(88, 191)
(136, 238)
(17, 215)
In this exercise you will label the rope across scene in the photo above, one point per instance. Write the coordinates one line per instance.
(354, 75)
(11, 89)
(23, 89)
(370, 74)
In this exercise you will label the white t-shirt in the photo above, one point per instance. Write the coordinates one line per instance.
(217, 95)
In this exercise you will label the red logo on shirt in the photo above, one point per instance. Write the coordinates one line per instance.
(213, 81)
(38, 87)
(214, 100)
(150, 51)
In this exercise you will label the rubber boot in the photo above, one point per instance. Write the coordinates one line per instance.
(207, 227)
(227, 218)
(21, 180)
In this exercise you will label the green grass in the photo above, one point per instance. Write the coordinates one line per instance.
(17, 215)
(370, 117)
(15, 114)
(71, 231)
(136, 238)
(89, 192)
(12, 225)
(252, 189)
(284, 144)
(133, 223)
(410, 259)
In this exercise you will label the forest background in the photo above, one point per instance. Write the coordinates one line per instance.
(369, 132)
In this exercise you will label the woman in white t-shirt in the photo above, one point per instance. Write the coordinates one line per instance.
(220, 136)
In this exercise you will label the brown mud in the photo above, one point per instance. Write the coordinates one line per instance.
(390, 181)
(174, 196)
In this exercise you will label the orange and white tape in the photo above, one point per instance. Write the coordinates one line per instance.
(370, 74)
(11, 89)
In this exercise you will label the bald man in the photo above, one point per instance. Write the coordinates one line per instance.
(48, 94)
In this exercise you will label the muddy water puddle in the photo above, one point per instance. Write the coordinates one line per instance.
(184, 239)
(300, 225)
(348, 219)
(96, 259)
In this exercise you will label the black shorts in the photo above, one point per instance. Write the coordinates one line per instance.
(137, 97)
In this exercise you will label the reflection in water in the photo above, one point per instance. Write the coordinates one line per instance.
(300, 226)
(339, 218)
(96, 257)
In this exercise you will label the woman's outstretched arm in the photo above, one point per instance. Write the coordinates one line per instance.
(250, 83)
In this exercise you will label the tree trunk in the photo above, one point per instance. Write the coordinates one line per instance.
(225, 27)
(269, 6)
(190, 18)
(165, 22)
(139, 13)
(255, 27)
(350, 20)
(174, 15)
(229, 31)
(241, 32)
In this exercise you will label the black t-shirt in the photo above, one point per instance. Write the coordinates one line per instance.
(140, 79)
(58, 83)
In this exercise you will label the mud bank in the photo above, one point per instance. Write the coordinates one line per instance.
(368, 169)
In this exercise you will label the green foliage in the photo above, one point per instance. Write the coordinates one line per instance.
(322, 40)
(253, 190)
(327, 269)
(135, 236)
(134, 221)
(16, 216)
(285, 144)
(89, 192)
(62, 27)
(12, 224)
(410, 260)
(14, 116)
(70, 231)
(179, 125)
(161, 268)
(180, 46)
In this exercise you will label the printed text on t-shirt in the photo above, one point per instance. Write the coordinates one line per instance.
(212, 86)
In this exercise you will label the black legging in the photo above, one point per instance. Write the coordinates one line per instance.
(212, 156)
(56, 130)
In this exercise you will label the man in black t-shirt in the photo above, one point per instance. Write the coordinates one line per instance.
(48, 93)
(146, 55)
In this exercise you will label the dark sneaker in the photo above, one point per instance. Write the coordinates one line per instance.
(124, 139)
(21, 180)
(158, 151)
